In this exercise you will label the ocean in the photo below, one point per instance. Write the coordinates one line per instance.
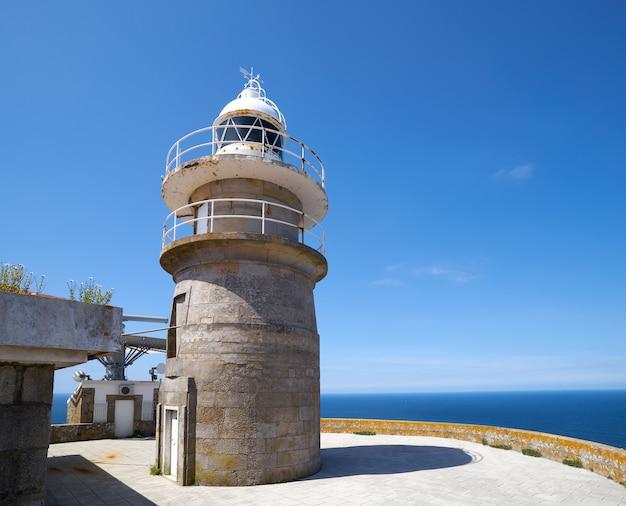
(594, 415)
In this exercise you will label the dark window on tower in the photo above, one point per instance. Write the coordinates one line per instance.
(229, 133)
(172, 333)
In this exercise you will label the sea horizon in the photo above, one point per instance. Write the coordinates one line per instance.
(590, 414)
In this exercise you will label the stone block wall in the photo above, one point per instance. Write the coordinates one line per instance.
(64, 433)
(80, 406)
(247, 346)
(602, 459)
(179, 392)
(146, 427)
(25, 403)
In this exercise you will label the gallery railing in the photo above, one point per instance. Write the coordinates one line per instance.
(208, 216)
(269, 143)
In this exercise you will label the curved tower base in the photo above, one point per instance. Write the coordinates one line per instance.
(241, 393)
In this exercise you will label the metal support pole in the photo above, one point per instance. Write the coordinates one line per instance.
(143, 318)
(263, 217)
(263, 141)
(212, 211)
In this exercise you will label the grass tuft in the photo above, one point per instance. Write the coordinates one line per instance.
(573, 462)
(502, 447)
(364, 433)
(531, 452)
(15, 279)
(89, 292)
(154, 470)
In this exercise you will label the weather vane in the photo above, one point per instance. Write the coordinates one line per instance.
(249, 75)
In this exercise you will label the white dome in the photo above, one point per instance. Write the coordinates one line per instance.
(252, 98)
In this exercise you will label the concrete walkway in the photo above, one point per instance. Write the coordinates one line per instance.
(355, 470)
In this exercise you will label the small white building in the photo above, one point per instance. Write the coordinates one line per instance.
(128, 405)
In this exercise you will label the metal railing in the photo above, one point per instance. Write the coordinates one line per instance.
(184, 221)
(273, 143)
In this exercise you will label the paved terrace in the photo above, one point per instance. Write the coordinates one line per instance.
(355, 470)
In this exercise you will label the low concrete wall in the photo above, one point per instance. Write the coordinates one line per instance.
(64, 433)
(601, 459)
(51, 330)
(146, 427)
(67, 432)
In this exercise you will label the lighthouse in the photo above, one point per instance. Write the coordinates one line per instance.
(239, 403)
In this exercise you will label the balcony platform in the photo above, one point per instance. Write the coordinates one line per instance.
(179, 184)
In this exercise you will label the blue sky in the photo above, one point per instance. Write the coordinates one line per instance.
(475, 156)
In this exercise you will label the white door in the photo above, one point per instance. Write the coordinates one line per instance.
(124, 416)
(172, 417)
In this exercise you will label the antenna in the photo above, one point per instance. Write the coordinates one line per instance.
(249, 75)
(79, 376)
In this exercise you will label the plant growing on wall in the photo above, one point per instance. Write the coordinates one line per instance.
(89, 292)
(15, 279)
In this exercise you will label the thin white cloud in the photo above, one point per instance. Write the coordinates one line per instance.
(516, 174)
(451, 274)
(393, 267)
(400, 274)
(387, 282)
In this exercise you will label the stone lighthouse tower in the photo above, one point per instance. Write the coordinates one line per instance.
(239, 404)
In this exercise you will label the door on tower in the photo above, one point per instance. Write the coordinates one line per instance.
(170, 443)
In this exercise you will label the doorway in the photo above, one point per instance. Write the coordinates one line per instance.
(124, 417)
(170, 443)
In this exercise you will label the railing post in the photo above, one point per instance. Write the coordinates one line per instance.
(177, 155)
(262, 217)
(302, 157)
(212, 211)
(302, 227)
(263, 142)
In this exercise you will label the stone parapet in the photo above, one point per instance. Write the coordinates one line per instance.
(64, 433)
(601, 459)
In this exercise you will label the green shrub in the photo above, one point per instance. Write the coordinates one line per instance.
(15, 279)
(502, 447)
(89, 292)
(365, 433)
(531, 452)
(154, 470)
(484, 442)
(573, 462)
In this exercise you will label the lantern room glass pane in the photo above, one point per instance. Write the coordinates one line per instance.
(241, 130)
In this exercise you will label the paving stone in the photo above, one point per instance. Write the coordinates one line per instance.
(373, 470)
